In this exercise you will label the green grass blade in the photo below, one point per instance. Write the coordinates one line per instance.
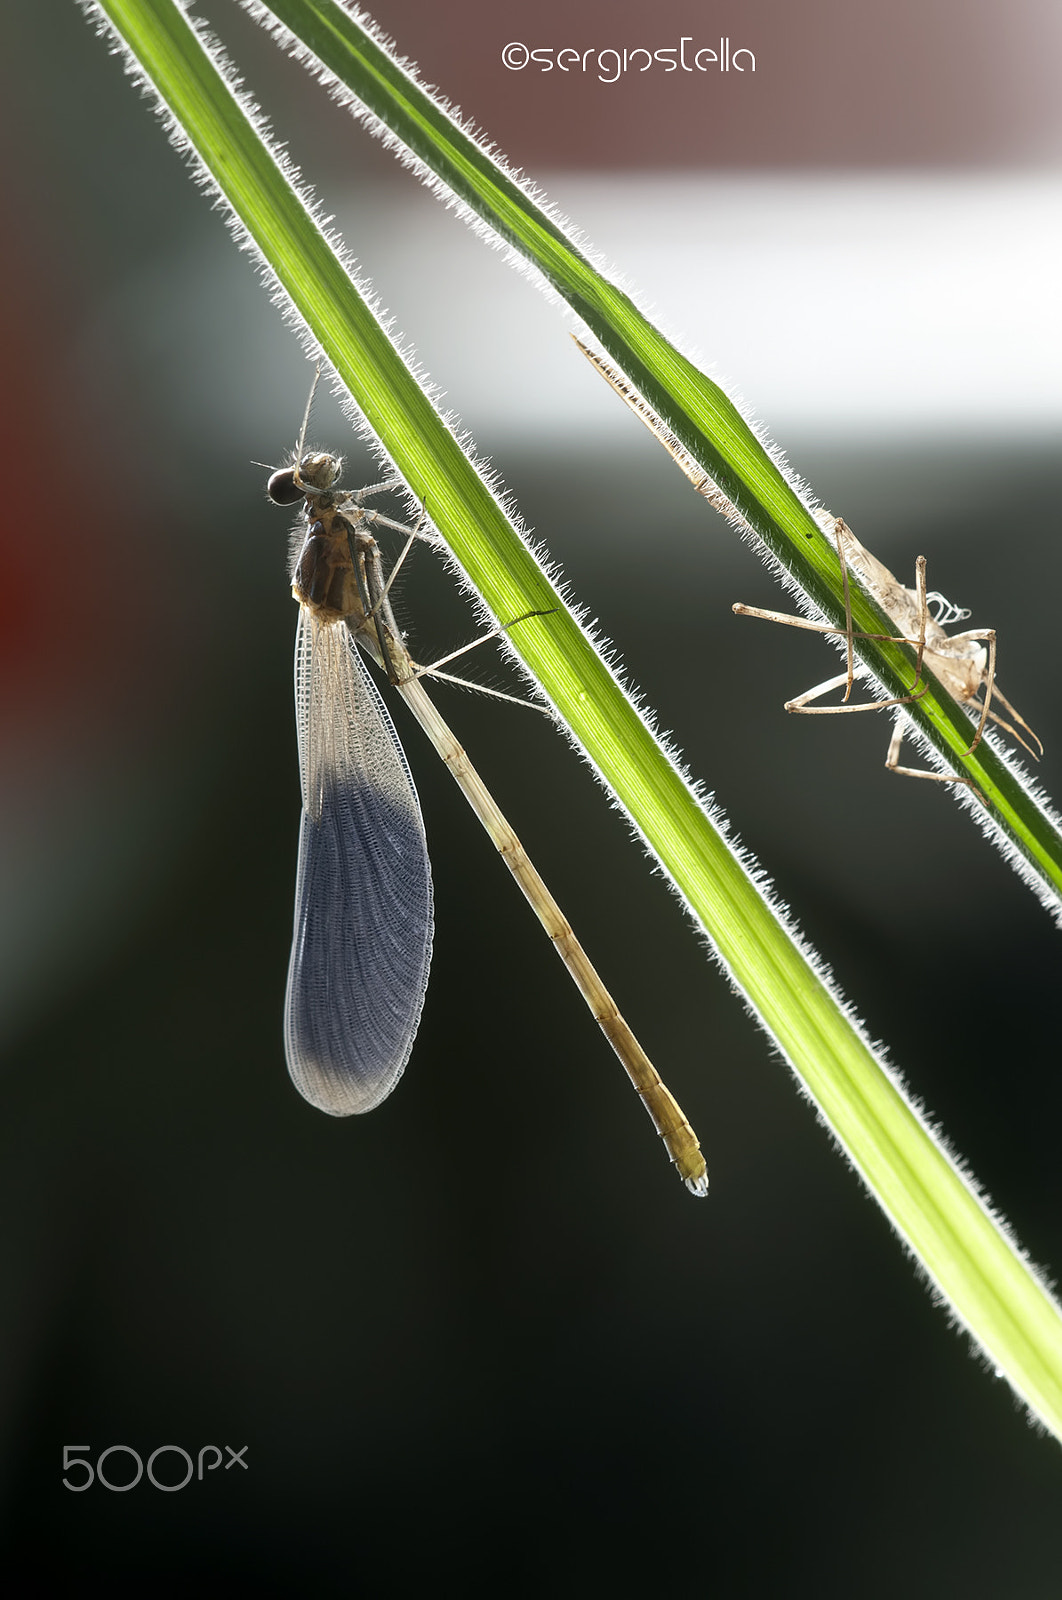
(967, 1253)
(345, 49)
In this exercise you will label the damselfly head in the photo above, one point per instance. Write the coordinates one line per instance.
(315, 474)
(318, 472)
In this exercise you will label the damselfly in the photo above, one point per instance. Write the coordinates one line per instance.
(363, 898)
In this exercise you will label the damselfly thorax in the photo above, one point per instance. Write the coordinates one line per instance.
(325, 573)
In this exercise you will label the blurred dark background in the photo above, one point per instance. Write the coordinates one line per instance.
(483, 1336)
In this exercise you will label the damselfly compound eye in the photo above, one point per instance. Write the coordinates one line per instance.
(282, 488)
